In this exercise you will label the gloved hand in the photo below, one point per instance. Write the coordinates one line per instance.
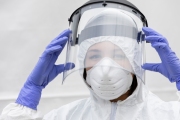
(170, 65)
(44, 72)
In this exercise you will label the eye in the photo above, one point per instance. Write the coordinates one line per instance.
(95, 57)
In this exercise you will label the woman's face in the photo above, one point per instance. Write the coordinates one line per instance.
(106, 49)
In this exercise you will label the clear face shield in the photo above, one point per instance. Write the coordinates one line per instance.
(110, 37)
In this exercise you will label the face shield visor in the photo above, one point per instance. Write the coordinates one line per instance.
(113, 32)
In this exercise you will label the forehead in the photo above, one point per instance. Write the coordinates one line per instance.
(104, 46)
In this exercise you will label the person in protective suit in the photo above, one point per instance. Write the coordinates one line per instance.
(105, 44)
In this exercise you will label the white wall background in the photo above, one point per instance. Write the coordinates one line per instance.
(27, 26)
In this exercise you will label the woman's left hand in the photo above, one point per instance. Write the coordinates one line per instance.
(170, 63)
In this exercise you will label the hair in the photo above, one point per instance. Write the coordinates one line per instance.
(133, 85)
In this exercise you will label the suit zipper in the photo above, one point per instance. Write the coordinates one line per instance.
(113, 110)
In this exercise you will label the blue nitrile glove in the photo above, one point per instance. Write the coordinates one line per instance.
(170, 64)
(44, 72)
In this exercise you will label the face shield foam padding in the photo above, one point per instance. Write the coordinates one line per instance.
(110, 22)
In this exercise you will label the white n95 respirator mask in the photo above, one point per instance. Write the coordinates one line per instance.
(108, 79)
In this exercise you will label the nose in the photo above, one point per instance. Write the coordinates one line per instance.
(105, 69)
(106, 66)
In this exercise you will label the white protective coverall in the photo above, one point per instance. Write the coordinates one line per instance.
(140, 105)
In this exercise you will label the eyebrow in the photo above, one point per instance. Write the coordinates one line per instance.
(96, 50)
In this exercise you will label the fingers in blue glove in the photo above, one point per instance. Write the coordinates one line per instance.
(52, 50)
(57, 69)
(60, 68)
(178, 85)
(55, 46)
(149, 32)
(69, 66)
(157, 41)
(65, 33)
(152, 67)
(163, 47)
(152, 39)
(61, 41)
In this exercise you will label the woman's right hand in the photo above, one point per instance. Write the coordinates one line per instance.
(44, 72)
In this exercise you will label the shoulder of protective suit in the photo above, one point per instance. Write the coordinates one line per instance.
(157, 107)
(67, 111)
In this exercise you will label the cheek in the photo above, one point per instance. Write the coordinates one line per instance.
(125, 64)
(88, 68)
(90, 63)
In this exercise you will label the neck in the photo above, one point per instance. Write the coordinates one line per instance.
(122, 97)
